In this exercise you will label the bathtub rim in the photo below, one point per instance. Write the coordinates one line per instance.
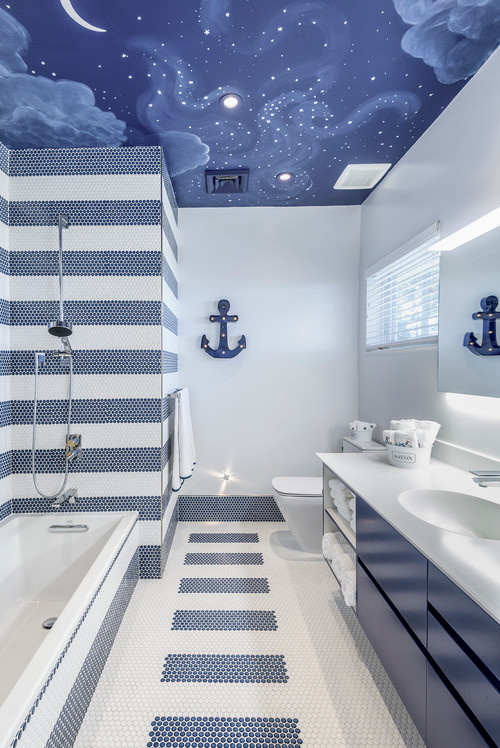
(27, 689)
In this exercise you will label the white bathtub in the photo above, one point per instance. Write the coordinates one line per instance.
(76, 577)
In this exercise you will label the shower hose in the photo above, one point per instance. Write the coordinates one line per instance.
(33, 445)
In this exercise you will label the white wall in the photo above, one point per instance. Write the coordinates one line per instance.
(291, 276)
(451, 174)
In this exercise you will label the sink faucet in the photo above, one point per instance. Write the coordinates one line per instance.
(70, 496)
(485, 478)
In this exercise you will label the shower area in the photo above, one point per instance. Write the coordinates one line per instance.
(89, 294)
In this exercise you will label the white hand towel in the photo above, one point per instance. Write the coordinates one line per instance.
(353, 524)
(343, 509)
(184, 454)
(338, 490)
(352, 505)
(388, 436)
(406, 439)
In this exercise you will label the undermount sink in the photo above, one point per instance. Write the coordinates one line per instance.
(457, 512)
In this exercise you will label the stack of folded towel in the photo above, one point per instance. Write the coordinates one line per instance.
(340, 554)
(409, 432)
(344, 500)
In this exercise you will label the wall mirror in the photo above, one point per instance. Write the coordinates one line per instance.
(468, 274)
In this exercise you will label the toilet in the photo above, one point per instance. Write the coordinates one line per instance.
(300, 501)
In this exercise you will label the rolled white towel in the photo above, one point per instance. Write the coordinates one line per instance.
(388, 436)
(341, 561)
(352, 505)
(326, 544)
(343, 509)
(406, 439)
(349, 588)
(353, 524)
(404, 424)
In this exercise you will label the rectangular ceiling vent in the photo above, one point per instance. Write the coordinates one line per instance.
(361, 176)
(227, 181)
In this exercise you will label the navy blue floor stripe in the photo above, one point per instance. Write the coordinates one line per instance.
(223, 537)
(208, 668)
(224, 620)
(223, 558)
(221, 585)
(224, 732)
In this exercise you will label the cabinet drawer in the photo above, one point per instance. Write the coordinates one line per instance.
(400, 655)
(447, 723)
(400, 570)
(477, 629)
(480, 695)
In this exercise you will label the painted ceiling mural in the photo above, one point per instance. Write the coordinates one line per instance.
(322, 83)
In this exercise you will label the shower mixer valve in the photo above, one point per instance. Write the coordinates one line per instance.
(74, 447)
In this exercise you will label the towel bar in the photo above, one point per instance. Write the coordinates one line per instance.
(175, 394)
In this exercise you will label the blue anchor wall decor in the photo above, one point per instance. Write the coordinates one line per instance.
(489, 316)
(223, 351)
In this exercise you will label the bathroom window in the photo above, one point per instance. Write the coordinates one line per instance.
(402, 295)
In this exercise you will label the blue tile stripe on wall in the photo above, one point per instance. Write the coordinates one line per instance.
(4, 159)
(167, 183)
(170, 321)
(5, 510)
(85, 212)
(76, 262)
(102, 460)
(147, 507)
(4, 210)
(228, 509)
(4, 261)
(208, 668)
(169, 362)
(20, 412)
(224, 585)
(169, 278)
(169, 235)
(81, 161)
(168, 407)
(5, 464)
(224, 620)
(222, 732)
(97, 312)
(5, 414)
(85, 362)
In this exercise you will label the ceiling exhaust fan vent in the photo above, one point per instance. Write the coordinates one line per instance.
(361, 176)
(226, 181)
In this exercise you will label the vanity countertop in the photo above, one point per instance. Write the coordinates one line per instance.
(472, 563)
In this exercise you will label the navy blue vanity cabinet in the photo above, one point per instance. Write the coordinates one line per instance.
(395, 564)
(464, 644)
(392, 606)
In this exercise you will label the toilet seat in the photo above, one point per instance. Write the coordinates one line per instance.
(312, 487)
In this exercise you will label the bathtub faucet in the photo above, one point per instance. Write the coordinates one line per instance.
(70, 496)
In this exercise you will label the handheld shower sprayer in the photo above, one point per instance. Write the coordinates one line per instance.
(61, 328)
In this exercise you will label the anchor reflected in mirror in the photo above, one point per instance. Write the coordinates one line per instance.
(223, 350)
(489, 317)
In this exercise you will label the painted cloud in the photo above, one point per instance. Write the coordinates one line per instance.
(37, 112)
(454, 37)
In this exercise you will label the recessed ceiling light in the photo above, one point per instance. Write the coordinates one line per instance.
(284, 176)
(230, 100)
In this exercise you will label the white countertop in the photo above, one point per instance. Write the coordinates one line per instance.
(472, 563)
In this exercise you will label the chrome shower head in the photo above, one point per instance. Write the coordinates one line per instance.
(60, 328)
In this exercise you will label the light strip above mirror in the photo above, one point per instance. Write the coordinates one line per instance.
(477, 228)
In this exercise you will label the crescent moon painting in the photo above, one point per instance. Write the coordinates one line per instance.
(74, 15)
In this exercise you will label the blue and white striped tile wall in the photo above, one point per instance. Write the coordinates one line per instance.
(170, 331)
(124, 320)
(5, 454)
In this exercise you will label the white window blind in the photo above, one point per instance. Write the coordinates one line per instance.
(402, 297)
